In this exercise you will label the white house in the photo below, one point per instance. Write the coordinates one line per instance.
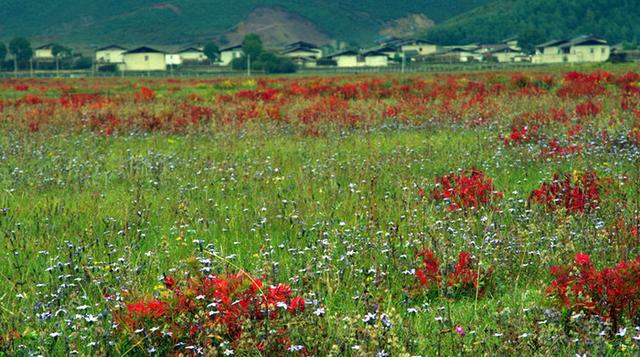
(506, 54)
(110, 54)
(421, 47)
(172, 59)
(347, 58)
(577, 50)
(301, 49)
(456, 54)
(192, 54)
(375, 59)
(44, 52)
(228, 54)
(388, 50)
(144, 59)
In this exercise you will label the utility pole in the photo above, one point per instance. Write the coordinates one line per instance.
(248, 65)
(57, 67)
(15, 66)
(404, 56)
(31, 67)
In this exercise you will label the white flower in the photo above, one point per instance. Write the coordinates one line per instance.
(228, 352)
(621, 332)
(319, 311)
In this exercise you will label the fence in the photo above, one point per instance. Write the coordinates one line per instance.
(189, 73)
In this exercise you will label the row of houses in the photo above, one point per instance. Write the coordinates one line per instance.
(577, 50)
(391, 52)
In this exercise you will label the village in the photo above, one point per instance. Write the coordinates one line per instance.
(399, 53)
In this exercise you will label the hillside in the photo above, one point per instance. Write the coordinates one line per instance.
(538, 20)
(183, 21)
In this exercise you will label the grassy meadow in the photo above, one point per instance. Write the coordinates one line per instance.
(131, 213)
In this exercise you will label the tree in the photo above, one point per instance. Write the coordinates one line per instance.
(529, 38)
(60, 51)
(252, 45)
(211, 50)
(3, 53)
(21, 49)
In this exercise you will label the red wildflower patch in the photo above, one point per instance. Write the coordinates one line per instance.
(522, 134)
(556, 150)
(588, 109)
(580, 194)
(465, 278)
(611, 293)
(145, 94)
(235, 307)
(465, 190)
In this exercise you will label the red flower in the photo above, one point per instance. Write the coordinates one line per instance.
(466, 190)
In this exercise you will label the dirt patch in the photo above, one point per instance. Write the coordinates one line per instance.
(166, 6)
(407, 26)
(276, 26)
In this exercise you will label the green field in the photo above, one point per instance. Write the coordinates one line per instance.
(336, 216)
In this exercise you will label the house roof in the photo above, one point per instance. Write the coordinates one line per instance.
(301, 44)
(48, 45)
(231, 48)
(494, 47)
(299, 48)
(585, 41)
(190, 49)
(456, 50)
(415, 42)
(343, 53)
(111, 47)
(505, 49)
(372, 53)
(552, 43)
(143, 49)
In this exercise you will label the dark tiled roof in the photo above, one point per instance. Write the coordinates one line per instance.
(110, 47)
(301, 44)
(344, 53)
(231, 48)
(143, 49)
(190, 49)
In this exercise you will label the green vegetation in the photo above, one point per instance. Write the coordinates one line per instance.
(211, 50)
(101, 22)
(21, 50)
(536, 21)
(259, 59)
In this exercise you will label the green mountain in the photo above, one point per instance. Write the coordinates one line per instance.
(183, 21)
(535, 21)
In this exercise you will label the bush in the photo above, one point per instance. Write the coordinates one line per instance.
(267, 62)
(108, 68)
(612, 293)
(235, 308)
(83, 63)
(326, 62)
(466, 278)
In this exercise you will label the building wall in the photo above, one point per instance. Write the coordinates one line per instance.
(506, 57)
(227, 56)
(43, 53)
(193, 56)
(110, 56)
(145, 62)
(592, 53)
(297, 54)
(173, 59)
(551, 50)
(376, 61)
(347, 61)
(577, 54)
(421, 49)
